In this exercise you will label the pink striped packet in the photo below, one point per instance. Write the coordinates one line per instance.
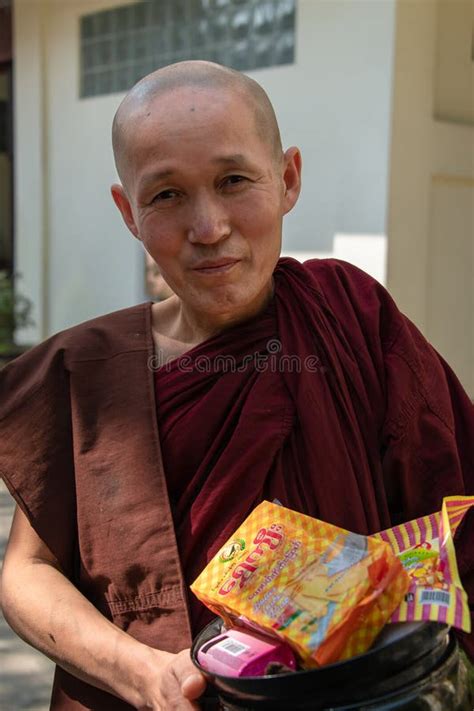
(426, 550)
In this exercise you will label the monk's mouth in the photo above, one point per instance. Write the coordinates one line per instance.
(218, 267)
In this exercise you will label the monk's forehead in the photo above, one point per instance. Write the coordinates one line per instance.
(186, 107)
(181, 102)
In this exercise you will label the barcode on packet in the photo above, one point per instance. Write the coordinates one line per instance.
(437, 596)
(231, 646)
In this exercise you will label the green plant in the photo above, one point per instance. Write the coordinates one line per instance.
(15, 312)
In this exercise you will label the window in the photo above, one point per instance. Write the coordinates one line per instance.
(121, 45)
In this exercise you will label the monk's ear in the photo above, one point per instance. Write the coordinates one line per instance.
(123, 204)
(291, 177)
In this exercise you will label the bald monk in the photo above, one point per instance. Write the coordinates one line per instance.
(136, 443)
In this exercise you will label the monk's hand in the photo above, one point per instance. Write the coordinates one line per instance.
(177, 684)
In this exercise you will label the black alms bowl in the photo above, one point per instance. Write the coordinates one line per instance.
(402, 654)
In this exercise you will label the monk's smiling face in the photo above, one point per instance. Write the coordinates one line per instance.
(206, 195)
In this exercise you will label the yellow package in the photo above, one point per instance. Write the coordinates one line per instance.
(426, 550)
(324, 590)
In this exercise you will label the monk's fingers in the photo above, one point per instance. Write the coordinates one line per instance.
(193, 686)
(191, 682)
(177, 685)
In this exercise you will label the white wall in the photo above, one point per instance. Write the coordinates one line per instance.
(29, 164)
(334, 102)
(76, 257)
(95, 262)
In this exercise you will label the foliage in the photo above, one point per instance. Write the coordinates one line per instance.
(15, 311)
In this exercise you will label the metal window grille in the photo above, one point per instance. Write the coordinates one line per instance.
(121, 45)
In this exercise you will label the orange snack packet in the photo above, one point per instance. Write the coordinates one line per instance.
(426, 550)
(324, 590)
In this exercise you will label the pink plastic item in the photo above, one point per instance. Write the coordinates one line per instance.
(242, 653)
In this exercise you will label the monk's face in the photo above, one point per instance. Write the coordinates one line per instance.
(207, 196)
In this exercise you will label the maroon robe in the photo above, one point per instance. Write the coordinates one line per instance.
(330, 400)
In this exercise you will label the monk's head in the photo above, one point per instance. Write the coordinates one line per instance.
(205, 184)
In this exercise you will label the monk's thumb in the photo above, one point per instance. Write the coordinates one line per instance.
(193, 686)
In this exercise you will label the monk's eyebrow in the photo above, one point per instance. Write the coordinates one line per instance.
(155, 177)
(236, 160)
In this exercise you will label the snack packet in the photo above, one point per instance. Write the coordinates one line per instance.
(324, 590)
(426, 550)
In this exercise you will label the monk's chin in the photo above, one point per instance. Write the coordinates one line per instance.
(231, 302)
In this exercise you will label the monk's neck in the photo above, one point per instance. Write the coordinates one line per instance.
(174, 320)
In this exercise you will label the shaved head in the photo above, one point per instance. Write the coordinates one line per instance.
(197, 74)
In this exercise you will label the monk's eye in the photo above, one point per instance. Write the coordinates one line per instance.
(231, 180)
(165, 196)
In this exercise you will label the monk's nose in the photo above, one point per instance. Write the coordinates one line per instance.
(208, 222)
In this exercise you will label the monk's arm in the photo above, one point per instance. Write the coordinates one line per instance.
(48, 612)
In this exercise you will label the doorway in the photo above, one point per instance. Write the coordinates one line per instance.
(6, 139)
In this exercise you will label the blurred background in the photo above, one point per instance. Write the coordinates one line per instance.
(378, 94)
